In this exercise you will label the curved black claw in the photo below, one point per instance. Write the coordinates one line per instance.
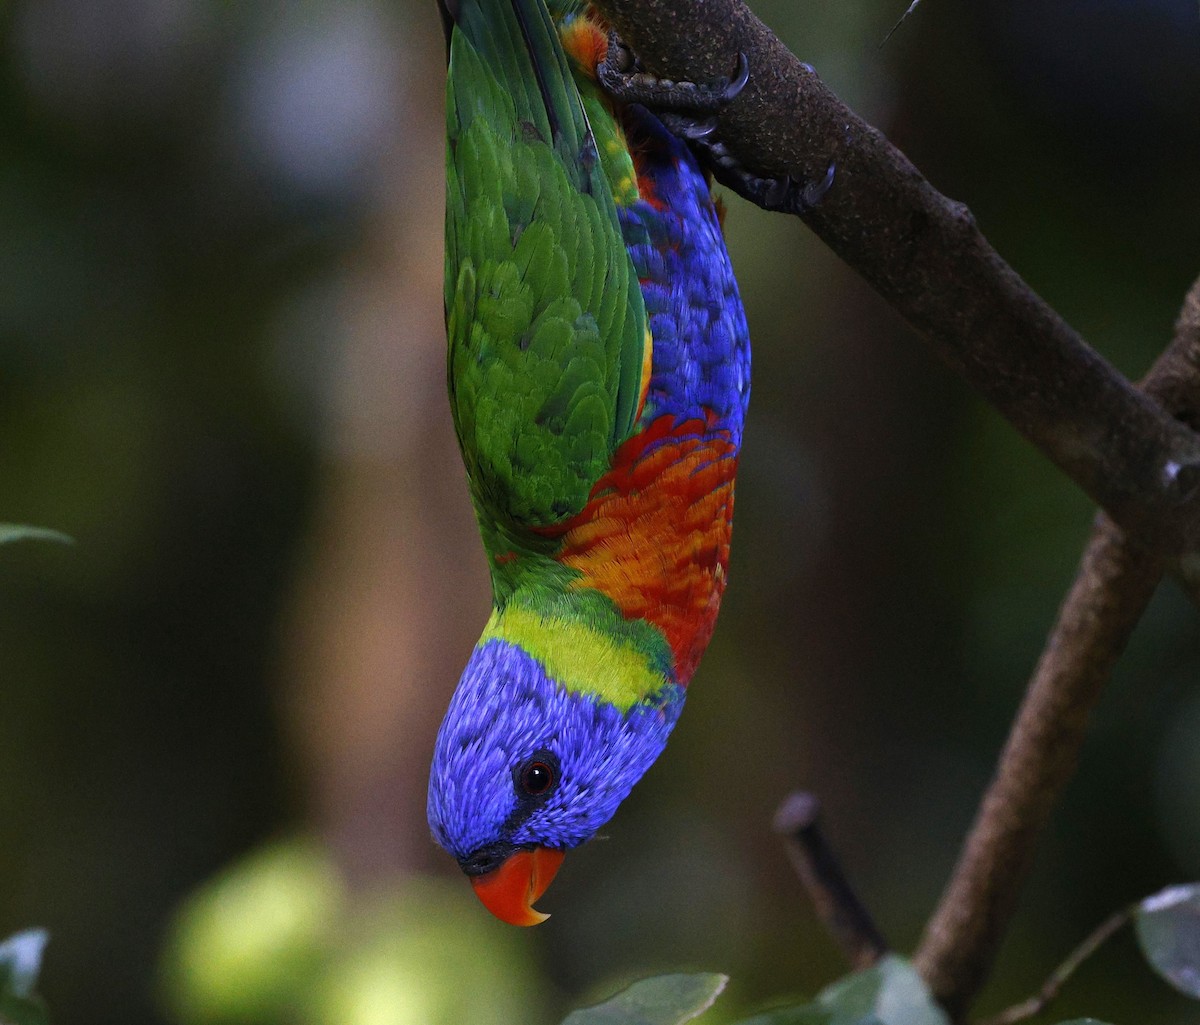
(624, 78)
(784, 194)
(741, 75)
(688, 128)
(813, 192)
(689, 110)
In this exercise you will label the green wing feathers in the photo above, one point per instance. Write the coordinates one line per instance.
(545, 317)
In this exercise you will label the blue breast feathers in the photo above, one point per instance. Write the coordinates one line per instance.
(701, 358)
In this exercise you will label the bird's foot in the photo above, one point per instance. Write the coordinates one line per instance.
(625, 79)
(689, 110)
(784, 194)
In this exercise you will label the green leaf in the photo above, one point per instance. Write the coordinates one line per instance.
(1084, 1021)
(808, 1014)
(1168, 931)
(888, 993)
(23, 532)
(20, 962)
(891, 990)
(662, 1000)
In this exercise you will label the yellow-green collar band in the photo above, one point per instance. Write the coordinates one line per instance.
(579, 657)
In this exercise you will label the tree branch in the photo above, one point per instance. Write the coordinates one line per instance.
(1117, 577)
(1126, 448)
(1115, 583)
(848, 922)
(924, 254)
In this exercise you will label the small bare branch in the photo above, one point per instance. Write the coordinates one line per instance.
(1050, 988)
(836, 904)
(902, 19)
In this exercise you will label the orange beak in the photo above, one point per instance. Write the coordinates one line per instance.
(509, 891)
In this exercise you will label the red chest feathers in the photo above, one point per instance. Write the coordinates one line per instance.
(655, 534)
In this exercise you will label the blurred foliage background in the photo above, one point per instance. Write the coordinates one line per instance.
(221, 372)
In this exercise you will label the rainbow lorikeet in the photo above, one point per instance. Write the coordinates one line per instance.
(599, 370)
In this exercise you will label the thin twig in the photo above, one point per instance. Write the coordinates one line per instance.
(835, 902)
(903, 18)
(1116, 579)
(1050, 988)
(925, 255)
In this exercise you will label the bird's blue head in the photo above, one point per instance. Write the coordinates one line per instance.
(525, 769)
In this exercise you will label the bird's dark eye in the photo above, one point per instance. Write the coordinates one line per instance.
(537, 778)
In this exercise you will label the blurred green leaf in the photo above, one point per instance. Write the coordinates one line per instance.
(278, 937)
(424, 955)
(20, 962)
(253, 937)
(891, 991)
(1084, 1021)
(888, 993)
(1168, 931)
(23, 532)
(662, 1000)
